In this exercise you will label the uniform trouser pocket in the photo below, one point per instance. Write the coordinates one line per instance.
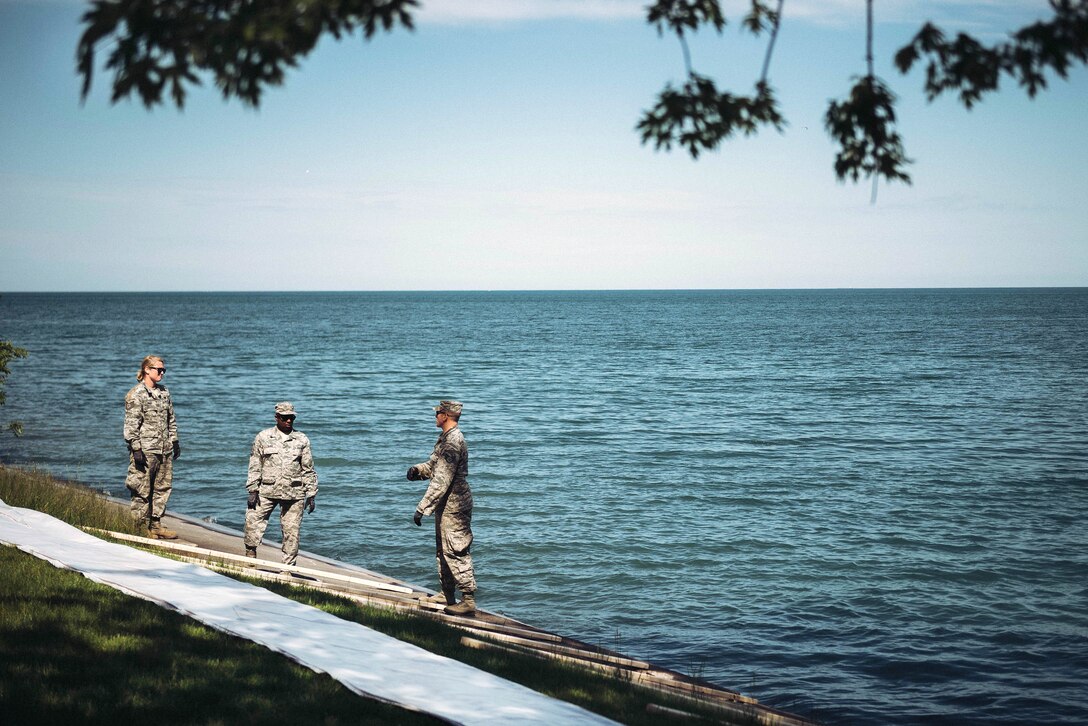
(453, 544)
(150, 488)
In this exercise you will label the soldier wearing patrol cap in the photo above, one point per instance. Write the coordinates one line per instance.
(281, 473)
(449, 499)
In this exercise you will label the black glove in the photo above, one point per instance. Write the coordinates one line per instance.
(413, 473)
(139, 459)
(311, 503)
(254, 499)
(177, 449)
(418, 518)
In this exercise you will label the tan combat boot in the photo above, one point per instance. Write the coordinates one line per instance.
(156, 531)
(467, 606)
(440, 598)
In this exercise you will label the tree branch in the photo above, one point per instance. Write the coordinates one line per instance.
(698, 116)
(973, 69)
(246, 45)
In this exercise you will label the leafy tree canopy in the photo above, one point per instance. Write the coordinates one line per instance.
(8, 353)
(159, 46)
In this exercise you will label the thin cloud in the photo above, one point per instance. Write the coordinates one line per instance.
(824, 12)
(990, 15)
(982, 14)
(42, 3)
(459, 11)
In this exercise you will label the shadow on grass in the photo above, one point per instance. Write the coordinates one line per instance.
(74, 651)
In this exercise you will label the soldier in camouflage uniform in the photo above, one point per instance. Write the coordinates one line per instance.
(281, 473)
(152, 437)
(449, 498)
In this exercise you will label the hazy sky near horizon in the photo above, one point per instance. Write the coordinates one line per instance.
(494, 148)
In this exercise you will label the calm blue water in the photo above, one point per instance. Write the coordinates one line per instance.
(867, 507)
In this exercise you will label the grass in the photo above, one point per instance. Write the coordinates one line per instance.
(71, 503)
(75, 651)
(72, 650)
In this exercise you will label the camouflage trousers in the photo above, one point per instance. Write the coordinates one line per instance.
(151, 487)
(453, 540)
(290, 523)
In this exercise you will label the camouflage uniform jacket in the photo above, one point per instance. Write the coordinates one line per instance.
(282, 467)
(149, 420)
(448, 471)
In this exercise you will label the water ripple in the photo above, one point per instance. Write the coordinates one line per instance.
(864, 506)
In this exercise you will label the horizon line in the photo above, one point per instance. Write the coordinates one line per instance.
(542, 290)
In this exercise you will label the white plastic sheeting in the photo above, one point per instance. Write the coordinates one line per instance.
(367, 662)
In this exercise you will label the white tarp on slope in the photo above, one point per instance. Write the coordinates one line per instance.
(364, 660)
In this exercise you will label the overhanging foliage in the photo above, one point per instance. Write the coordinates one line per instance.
(161, 46)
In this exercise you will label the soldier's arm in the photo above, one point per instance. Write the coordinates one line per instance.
(426, 469)
(253, 481)
(441, 471)
(309, 474)
(134, 420)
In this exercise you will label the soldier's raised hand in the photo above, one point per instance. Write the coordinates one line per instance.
(177, 449)
(311, 503)
(139, 460)
(254, 499)
(413, 473)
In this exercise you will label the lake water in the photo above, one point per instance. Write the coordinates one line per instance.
(868, 507)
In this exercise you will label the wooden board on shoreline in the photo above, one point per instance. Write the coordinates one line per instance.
(222, 549)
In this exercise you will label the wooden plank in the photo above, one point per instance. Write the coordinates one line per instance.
(656, 710)
(194, 550)
(575, 652)
(486, 627)
(748, 710)
(520, 637)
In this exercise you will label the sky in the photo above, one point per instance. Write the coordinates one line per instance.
(495, 148)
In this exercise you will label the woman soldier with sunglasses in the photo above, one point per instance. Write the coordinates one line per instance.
(152, 437)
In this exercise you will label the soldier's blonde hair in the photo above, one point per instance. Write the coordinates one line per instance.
(147, 359)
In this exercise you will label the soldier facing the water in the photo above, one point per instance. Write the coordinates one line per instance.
(151, 434)
(449, 498)
(281, 473)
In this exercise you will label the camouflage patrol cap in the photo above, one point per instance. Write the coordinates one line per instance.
(453, 407)
(285, 408)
